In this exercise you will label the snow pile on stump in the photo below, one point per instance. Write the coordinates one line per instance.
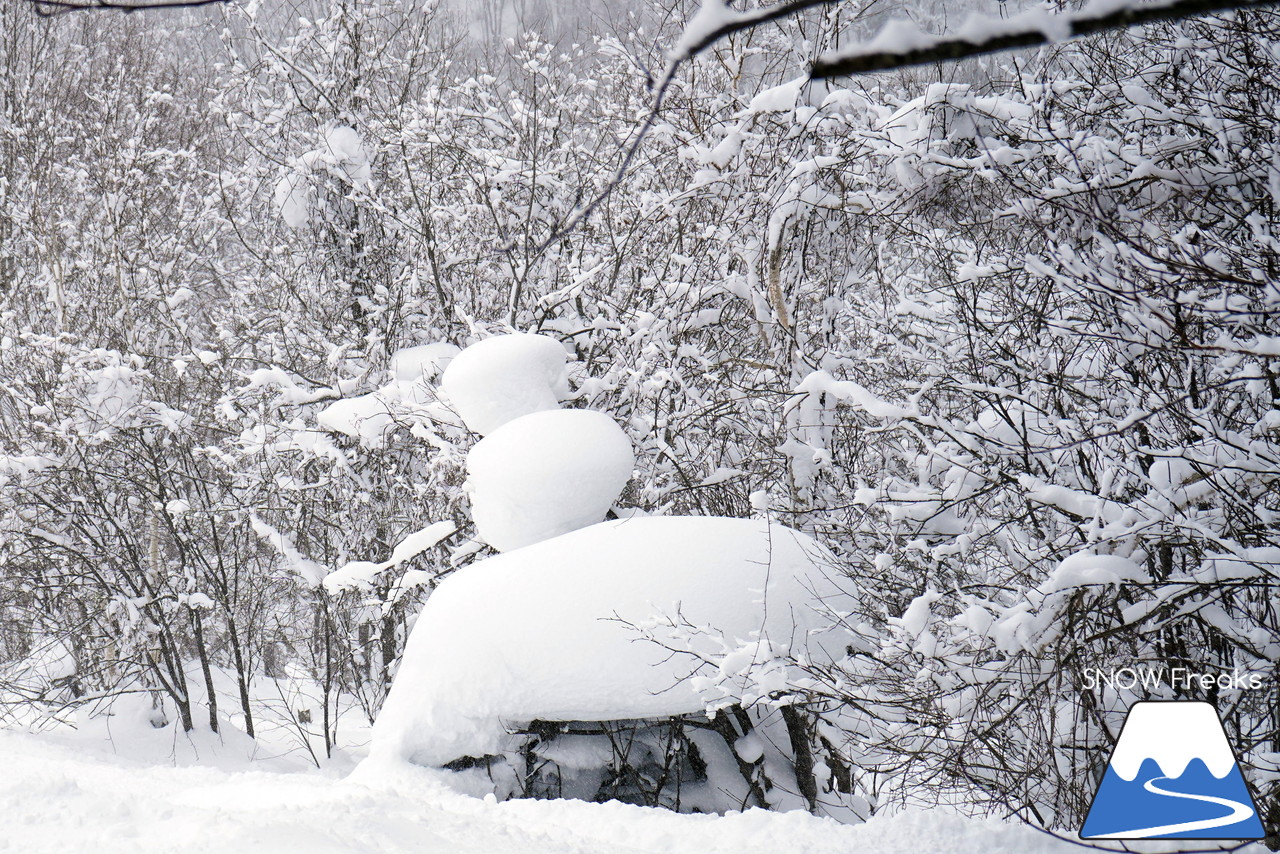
(549, 632)
(587, 634)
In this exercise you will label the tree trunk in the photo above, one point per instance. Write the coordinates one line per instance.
(800, 748)
(197, 625)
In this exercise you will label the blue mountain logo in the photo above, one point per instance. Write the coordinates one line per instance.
(1173, 775)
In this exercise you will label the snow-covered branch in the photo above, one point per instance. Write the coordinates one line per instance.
(49, 8)
(716, 19)
(900, 44)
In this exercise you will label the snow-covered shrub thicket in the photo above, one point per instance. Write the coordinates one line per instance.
(1005, 345)
(1052, 448)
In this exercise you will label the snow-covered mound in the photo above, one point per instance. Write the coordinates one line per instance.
(546, 474)
(542, 633)
(502, 378)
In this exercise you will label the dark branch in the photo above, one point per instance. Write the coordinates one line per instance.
(1074, 26)
(50, 8)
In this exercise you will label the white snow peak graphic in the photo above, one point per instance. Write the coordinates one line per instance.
(1172, 734)
(1172, 775)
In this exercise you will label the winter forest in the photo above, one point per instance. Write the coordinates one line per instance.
(575, 415)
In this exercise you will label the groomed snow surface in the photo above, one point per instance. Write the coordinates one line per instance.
(62, 793)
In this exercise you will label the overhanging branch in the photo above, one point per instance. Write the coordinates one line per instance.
(50, 8)
(1031, 29)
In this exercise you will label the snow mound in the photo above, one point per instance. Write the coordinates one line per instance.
(546, 474)
(548, 632)
(502, 378)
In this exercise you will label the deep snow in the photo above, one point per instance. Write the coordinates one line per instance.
(499, 379)
(546, 474)
(59, 795)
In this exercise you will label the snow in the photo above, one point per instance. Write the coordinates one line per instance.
(712, 16)
(424, 362)
(501, 378)
(900, 36)
(366, 417)
(56, 797)
(821, 383)
(779, 99)
(293, 198)
(114, 396)
(548, 632)
(309, 571)
(546, 474)
(342, 154)
(360, 574)
(347, 151)
(1086, 568)
(408, 399)
(1172, 734)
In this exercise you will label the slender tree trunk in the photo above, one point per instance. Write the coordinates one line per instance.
(326, 629)
(389, 648)
(242, 678)
(203, 651)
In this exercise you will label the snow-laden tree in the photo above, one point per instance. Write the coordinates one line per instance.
(1045, 433)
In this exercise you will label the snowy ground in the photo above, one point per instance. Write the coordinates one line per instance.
(61, 793)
